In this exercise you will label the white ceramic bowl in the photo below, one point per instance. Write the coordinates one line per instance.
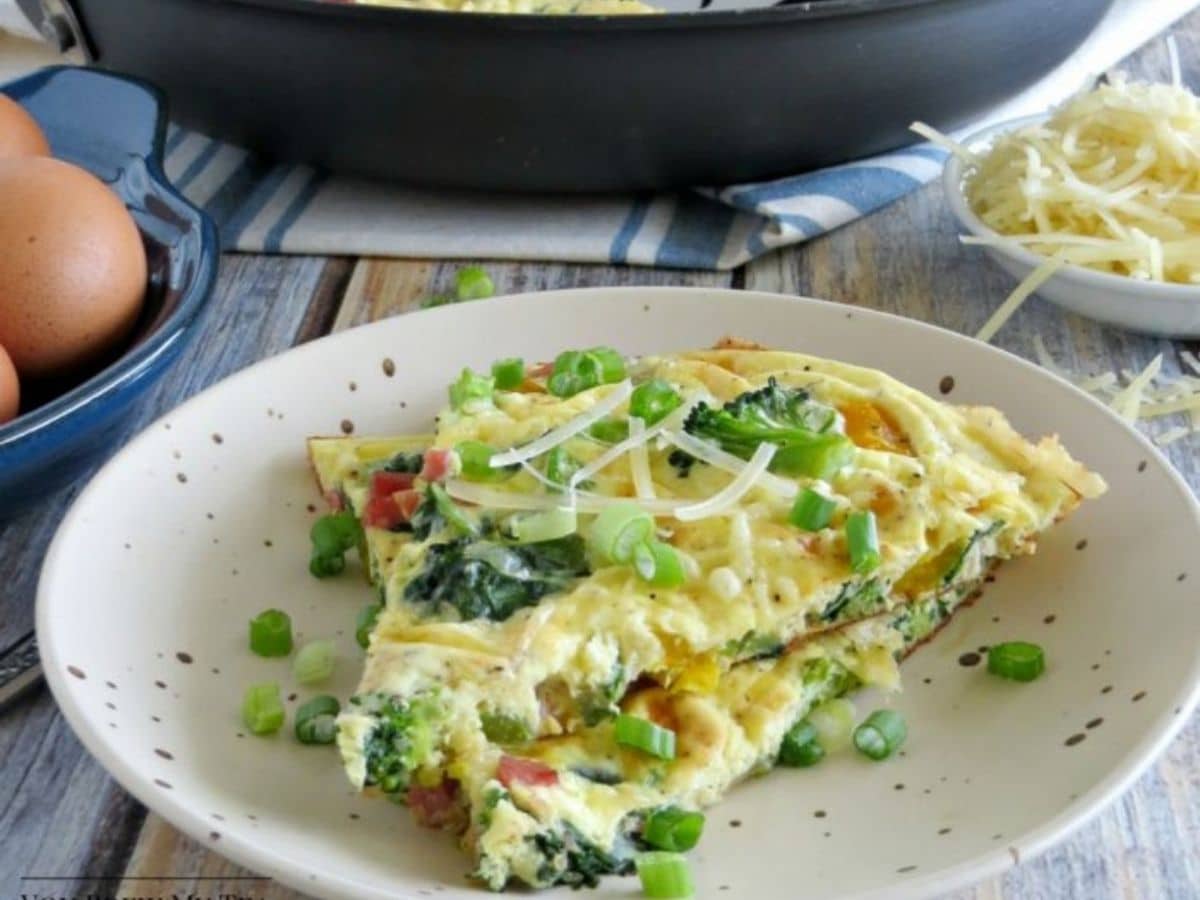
(1169, 310)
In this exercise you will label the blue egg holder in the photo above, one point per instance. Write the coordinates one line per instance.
(114, 127)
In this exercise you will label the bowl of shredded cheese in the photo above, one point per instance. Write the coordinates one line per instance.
(1096, 206)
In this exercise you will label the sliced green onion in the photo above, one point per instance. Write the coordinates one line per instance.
(262, 708)
(316, 720)
(508, 373)
(612, 364)
(561, 465)
(665, 876)
(580, 370)
(476, 459)
(881, 734)
(470, 389)
(543, 526)
(644, 735)
(1018, 660)
(332, 535)
(619, 529)
(271, 633)
(819, 455)
(800, 746)
(654, 400)
(451, 511)
(473, 283)
(314, 663)
(659, 564)
(674, 829)
(834, 721)
(611, 431)
(862, 542)
(812, 511)
(365, 624)
(504, 729)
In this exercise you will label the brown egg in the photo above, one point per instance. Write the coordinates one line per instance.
(10, 389)
(19, 134)
(72, 267)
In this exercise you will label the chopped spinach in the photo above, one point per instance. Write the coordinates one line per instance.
(600, 702)
(598, 775)
(855, 601)
(485, 579)
(405, 461)
(573, 860)
(951, 573)
(403, 735)
(753, 645)
(682, 462)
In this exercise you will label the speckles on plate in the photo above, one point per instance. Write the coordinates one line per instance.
(165, 785)
(1050, 619)
(355, 816)
(353, 386)
(1142, 466)
(218, 817)
(165, 754)
(735, 823)
(898, 786)
(215, 670)
(389, 367)
(347, 426)
(969, 659)
(927, 680)
(267, 542)
(181, 477)
(184, 657)
(161, 685)
(1094, 723)
(110, 685)
(1107, 689)
(944, 831)
(214, 835)
(1081, 544)
(946, 385)
(1074, 739)
(77, 672)
(110, 705)
(904, 870)
(1182, 576)
(1138, 696)
(217, 438)
(155, 719)
(819, 814)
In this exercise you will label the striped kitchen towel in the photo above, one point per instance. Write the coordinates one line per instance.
(265, 207)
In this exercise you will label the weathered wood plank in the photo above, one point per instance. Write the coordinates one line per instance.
(60, 813)
(381, 288)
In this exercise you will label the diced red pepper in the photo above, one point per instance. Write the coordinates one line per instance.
(437, 464)
(391, 510)
(386, 483)
(435, 807)
(407, 502)
(541, 370)
(514, 770)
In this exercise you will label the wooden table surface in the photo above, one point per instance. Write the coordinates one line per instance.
(62, 815)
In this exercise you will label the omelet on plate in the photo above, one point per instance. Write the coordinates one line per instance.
(607, 589)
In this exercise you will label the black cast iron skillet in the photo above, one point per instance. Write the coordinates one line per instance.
(586, 103)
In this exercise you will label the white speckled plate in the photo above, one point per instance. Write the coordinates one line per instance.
(202, 521)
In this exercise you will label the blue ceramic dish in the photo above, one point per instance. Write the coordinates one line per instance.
(114, 127)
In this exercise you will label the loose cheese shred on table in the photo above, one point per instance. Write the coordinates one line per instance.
(1128, 403)
(1110, 181)
(1020, 294)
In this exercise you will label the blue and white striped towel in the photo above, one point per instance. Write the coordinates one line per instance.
(262, 207)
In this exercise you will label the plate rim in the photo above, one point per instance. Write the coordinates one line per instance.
(298, 874)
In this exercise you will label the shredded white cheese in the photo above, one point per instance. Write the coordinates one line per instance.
(1020, 294)
(727, 462)
(729, 495)
(1110, 181)
(637, 438)
(1128, 403)
(551, 439)
(581, 501)
(639, 460)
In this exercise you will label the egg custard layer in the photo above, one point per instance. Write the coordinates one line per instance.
(605, 557)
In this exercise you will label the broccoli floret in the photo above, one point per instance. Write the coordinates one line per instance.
(800, 428)
(404, 735)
